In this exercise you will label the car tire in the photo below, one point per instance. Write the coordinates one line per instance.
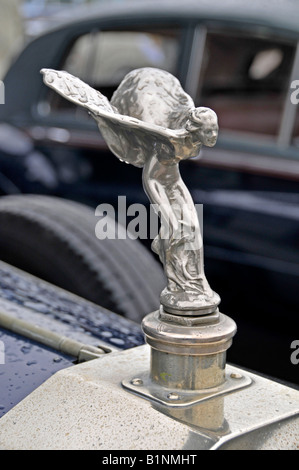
(54, 239)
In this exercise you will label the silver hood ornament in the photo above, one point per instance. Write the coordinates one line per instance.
(152, 123)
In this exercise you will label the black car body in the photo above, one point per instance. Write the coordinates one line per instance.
(33, 314)
(240, 59)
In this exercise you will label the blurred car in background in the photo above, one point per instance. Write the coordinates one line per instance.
(238, 58)
(41, 14)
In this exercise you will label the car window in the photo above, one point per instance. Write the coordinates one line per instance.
(103, 58)
(245, 80)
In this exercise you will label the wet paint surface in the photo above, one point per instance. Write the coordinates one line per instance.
(31, 293)
(24, 366)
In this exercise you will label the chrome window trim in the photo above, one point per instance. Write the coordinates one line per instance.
(289, 113)
(195, 60)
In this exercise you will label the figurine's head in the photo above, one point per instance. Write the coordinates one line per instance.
(203, 122)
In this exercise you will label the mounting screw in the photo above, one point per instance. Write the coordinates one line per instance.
(173, 396)
(236, 376)
(137, 381)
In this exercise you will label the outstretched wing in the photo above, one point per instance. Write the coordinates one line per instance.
(130, 139)
(76, 91)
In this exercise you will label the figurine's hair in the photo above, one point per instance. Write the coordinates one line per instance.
(200, 117)
(155, 96)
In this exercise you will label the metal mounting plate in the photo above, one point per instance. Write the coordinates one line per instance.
(146, 388)
(85, 407)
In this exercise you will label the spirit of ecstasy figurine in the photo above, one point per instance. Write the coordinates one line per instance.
(152, 123)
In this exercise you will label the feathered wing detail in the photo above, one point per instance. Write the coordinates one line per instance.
(130, 139)
(76, 91)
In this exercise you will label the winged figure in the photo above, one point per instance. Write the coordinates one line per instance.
(151, 122)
